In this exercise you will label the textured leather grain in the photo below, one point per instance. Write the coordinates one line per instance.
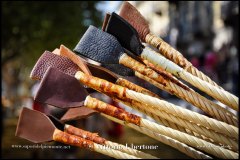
(49, 59)
(99, 46)
(125, 33)
(60, 90)
(134, 17)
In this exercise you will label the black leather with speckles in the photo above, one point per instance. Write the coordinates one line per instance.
(104, 48)
(99, 46)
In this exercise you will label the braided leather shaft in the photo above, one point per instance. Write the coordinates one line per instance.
(178, 87)
(214, 109)
(164, 139)
(233, 143)
(115, 90)
(111, 110)
(136, 105)
(219, 94)
(175, 56)
(187, 94)
(206, 105)
(197, 118)
(194, 71)
(139, 106)
(189, 140)
(144, 109)
(149, 112)
(218, 138)
(183, 125)
(204, 133)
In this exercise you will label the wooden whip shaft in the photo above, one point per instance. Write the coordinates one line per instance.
(168, 51)
(84, 134)
(74, 140)
(66, 138)
(101, 84)
(111, 110)
(89, 102)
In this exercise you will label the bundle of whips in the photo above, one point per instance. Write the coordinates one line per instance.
(131, 42)
(134, 104)
(101, 72)
(113, 49)
(48, 59)
(58, 89)
(50, 80)
(169, 118)
(154, 111)
(38, 128)
(131, 14)
(70, 91)
(138, 106)
(110, 76)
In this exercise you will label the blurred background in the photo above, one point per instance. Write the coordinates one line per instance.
(205, 32)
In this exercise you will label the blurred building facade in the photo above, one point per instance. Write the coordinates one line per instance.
(193, 19)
